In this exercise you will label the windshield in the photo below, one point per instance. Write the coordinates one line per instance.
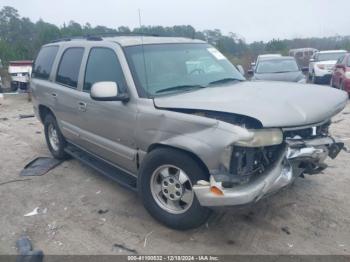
(330, 56)
(161, 68)
(277, 66)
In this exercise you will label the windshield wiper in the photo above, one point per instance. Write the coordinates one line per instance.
(179, 87)
(224, 80)
(280, 72)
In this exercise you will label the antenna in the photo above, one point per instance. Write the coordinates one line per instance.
(143, 50)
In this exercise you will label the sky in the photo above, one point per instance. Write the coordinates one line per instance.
(254, 20)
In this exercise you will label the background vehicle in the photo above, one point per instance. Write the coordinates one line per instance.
(322, 64)
(303, 55)
(263, 57)
(20, 72)
(341, 74)
(278, 69)
(173, 119)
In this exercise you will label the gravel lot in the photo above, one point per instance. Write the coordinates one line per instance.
(311, 217)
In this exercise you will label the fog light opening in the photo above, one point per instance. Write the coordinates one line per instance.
(216, 191)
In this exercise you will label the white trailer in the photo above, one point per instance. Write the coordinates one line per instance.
(20, 72)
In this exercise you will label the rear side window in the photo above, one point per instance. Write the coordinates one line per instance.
(299, 54)
(68, 70)
(44, 61)
(103, 65)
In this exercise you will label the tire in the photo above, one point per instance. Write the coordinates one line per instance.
(181, 215)
(13, 87)
(54, 138)
(314, 79)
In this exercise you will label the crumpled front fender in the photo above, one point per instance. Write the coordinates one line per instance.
(205, 137)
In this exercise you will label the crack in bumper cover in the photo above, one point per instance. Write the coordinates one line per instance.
(281, 174)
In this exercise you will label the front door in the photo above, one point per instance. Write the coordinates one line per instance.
(107, 127)
(65, 94)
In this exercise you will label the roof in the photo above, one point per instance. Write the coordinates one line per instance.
(332, 51)
(138, 40)
(269, 55)
(303, 49)
(135, 40)
(277, 58)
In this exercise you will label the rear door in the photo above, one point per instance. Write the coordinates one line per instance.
(108, 126)
(41, 82)
(66, 94)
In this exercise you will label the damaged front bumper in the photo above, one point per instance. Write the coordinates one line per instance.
(296, 158)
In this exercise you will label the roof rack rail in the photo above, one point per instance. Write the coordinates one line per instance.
(98, 37)
(87, 37)
(123, 34)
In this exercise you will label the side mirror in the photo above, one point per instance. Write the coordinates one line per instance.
(240, 69)
(107, 91)
(250, 72)
(305, 69)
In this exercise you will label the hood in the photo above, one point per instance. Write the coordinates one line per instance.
(288, 76)
(274, 104)
(329, 62)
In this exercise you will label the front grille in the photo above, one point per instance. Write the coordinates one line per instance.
(247, 162)
(308, 133)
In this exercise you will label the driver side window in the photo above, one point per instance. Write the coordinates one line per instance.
(103, 65)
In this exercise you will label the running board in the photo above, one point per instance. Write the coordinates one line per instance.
(124, 179)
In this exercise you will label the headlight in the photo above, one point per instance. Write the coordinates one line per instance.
(302, 81)
(225, 158)
(263, 137)
(347, 75)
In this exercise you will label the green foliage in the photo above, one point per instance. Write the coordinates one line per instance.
(20, 38)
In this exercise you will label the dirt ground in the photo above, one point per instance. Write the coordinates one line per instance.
(311, 217)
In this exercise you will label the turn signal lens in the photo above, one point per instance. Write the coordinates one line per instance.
(216, 191)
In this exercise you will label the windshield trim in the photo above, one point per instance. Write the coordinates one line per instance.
(333, 53)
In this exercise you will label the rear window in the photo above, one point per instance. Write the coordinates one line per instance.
(68, 70)
(44, 61)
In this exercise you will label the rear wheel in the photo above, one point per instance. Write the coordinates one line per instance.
(165, 183)
(54, 138)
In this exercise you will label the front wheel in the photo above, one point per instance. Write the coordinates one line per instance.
(314, 79)
(166, 178)
(14, 87)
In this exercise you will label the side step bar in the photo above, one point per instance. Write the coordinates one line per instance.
(124, 179)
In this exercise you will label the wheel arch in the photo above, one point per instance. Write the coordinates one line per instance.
(195, 157)
(44, 111)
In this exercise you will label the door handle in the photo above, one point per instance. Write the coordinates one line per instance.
(82, 106)
(54, 95)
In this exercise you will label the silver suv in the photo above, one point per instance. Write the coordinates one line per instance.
(173, 119)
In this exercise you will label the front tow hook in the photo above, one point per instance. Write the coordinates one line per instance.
(335, 148)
